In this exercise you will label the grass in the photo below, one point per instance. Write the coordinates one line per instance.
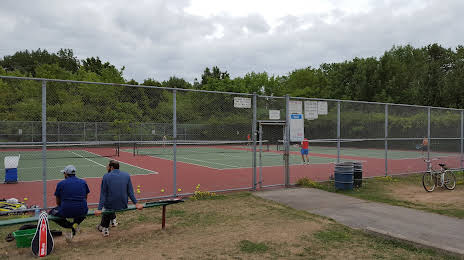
(405, 191)
(237, 226)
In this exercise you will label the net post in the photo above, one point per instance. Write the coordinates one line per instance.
(253, 130)
(287, 140)
(174, 145)
(428, 134)
(338, 131)
(44, 142)
(386, 139)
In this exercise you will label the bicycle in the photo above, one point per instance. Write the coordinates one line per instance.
(442, 178)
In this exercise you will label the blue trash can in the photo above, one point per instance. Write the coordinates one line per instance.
(344, 177)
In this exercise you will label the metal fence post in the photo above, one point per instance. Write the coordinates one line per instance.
(338, 131)
(428, 134)
(174, 136)
(386, 139)
(287, 140)
(253, 130)
(260, 156)
(462, 139)
(44, 142)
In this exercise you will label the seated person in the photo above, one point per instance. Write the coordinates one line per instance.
(71, 198)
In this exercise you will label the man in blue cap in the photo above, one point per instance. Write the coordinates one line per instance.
(71, 200)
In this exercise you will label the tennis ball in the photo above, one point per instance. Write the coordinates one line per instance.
(162, 190)
(179, 189)
(138, 186)
(25, 198)
(138, 191)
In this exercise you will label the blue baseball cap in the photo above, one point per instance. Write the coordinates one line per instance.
(70, 169)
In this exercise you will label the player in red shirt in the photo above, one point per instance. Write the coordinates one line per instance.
(305, 150)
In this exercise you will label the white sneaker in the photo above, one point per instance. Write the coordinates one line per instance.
(114, 223)
(105, 232)
(68, 236)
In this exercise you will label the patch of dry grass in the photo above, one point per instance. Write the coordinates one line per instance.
(237, 226)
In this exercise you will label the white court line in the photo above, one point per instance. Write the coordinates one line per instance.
(82, 178)
(207, 161)
(89, 159)
(150, 172)
(170, 160)
(53, 167)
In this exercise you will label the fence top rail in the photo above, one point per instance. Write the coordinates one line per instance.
(373, 103)
(217, 92)
(122, 85)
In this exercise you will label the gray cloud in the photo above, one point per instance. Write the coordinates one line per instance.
(158, 39)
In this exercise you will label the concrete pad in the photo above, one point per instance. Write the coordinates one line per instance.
(419, 227)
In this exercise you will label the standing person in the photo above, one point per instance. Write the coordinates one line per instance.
(71, 200)
(116, 187)
(425, 145)
(305, 150)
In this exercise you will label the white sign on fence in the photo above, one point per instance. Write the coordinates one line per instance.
(153, 132)
(296, 127)
(274, 114)
(322, 107)
(241, 102)
(310, 110)
(295, 107)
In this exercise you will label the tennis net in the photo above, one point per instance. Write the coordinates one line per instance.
(60, 150)
(192, 147)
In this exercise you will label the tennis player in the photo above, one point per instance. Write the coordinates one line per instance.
(305, 150)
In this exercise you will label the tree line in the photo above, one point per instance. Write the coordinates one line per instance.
(430, 75)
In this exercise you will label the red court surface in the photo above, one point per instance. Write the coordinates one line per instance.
(210, 179)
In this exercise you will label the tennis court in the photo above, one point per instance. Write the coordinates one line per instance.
(221, 155)
(90, 162)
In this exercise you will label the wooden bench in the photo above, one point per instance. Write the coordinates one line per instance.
(162, 203)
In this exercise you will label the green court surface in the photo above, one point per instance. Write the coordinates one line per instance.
(225, 158)
(370, 153)
(88, 165)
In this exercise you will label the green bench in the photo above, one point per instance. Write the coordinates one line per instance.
(162, 203)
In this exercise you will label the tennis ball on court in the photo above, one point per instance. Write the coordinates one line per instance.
(138, 186)
(179, 189)
(25, 198)
(138, 191)
(162, 190)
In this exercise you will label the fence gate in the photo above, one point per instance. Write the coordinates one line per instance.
(271, 153)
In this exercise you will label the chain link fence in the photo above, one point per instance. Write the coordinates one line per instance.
(177, 141)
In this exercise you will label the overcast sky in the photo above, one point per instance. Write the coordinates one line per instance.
(163, 38)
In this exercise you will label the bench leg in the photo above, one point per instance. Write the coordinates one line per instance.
(163, 218)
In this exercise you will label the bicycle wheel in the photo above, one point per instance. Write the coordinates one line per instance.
(428, 180)
(449, 180)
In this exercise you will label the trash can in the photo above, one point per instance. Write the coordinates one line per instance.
(343, 176)
(357, 174)
(11, 169)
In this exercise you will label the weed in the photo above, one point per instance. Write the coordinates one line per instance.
(249, 247)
